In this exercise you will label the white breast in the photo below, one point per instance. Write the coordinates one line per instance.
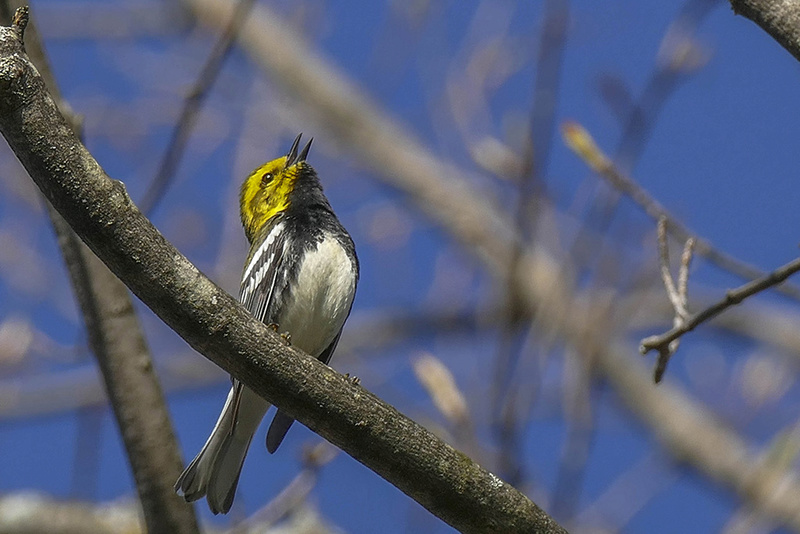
(318, 306)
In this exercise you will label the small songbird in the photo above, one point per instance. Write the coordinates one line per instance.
(300, 275)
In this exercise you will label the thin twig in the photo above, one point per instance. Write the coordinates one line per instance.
(637, 125)
(663, 255)
(692, 434)
(678, 296)
(638, 118)
(732, 297)
(683, 276)
(191, 108)
(408, 165)
(582, 143)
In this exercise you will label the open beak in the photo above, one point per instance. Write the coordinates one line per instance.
(293, 157)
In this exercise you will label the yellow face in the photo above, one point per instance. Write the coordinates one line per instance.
(265, 193)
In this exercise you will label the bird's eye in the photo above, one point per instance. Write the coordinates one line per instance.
(267, 178)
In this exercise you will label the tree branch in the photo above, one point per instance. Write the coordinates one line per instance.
(28, 513)
(779, 18)
(439, 477)
(694, 435)
(732, 297)
(530, 194)
(120, 349)
(581, 142)
(677, 293)
(134, 391)
(191, 109)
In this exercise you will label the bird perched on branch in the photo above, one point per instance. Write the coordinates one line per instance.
(300, 275)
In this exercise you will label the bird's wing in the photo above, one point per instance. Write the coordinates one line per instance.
(264, 277)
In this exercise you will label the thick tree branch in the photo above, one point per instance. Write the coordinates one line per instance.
(439, 477)
(118, 344)
(779, 18)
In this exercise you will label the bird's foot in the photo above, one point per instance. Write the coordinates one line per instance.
(353, 379)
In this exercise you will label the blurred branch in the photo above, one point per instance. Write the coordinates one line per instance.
(120, 349)
(531, 186)
(780, 456)
(67, 391)
(582, 143)
(771, 325)
(779, 18)
(448, 399)
(732, 297)
(99, 209)
(294, 495)
(32, 513)
(626, 496)
(86, 461)
(588, 253)
(132, 386)
(678, 57)
(442, 191)
(579, 401)
(693, 435)
(111, 21)
(191, 108)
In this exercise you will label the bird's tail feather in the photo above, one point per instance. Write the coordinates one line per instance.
(215, 470)
(280, 425)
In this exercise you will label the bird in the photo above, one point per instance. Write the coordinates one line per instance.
(300, 277)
